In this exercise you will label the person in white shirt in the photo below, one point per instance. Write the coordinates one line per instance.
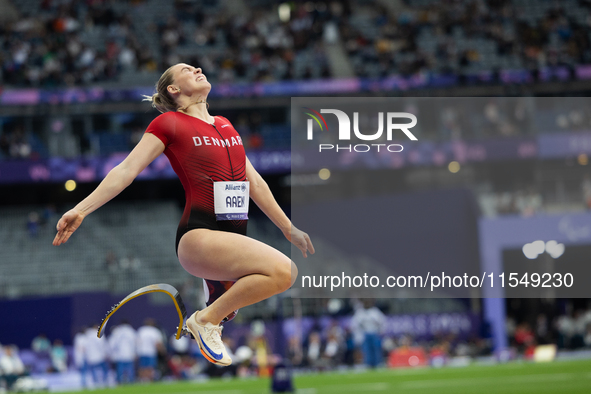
(122, 343)
(11, 366)
(79, 354)
(368, 323)
(149, 343)
(96, 355)
(181, 346)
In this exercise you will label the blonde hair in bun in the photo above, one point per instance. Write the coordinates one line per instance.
(162, 100)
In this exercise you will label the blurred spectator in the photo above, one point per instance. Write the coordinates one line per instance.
(574, 329)
(96, 354)
(80, 354)
(112, 266)
(59, 356)
(41, 344)
(510, 326)
(368, 322)
(524, 336)
(580, 326)
(332, 350)
(48, 214)
(122, 343)
(349, 354)
(542, 329)
(111, 263)
(255, 140)
(182, 367)
(181, 363)
(314, 350)
(335, 345)
(407, 354)
(33, 228)
(181, 346)
(566, 330)
(11, 366)
(526, 202)
(19, 146)
(149, 344)
(130, 266)
(295, 353)
(130, 263)
(587, 337)
(439, 353)
(14, 142)
(258, 343)
(243, 359)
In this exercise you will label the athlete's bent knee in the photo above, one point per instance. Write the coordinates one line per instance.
(294, 273)
(283, 276)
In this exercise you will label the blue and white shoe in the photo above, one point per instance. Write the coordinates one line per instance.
(209, 339)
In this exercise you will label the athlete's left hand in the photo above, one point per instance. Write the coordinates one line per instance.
(301, 240)
(66, 226)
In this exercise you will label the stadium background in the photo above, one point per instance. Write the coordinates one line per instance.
(72, 77)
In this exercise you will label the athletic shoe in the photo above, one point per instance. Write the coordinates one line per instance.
(214, 290)
(209, 339)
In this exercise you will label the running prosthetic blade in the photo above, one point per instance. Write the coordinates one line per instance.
(158, 288)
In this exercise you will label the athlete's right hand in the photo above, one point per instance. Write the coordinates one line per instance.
(301, 240)
(67, 225)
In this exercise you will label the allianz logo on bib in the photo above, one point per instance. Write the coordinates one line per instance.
(236, 187)
(345, 130)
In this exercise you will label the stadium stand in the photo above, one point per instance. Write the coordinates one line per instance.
(83, 267)
(121, 238)
(251, 43)
(240, 48)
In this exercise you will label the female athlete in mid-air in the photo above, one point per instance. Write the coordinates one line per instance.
(207, 154)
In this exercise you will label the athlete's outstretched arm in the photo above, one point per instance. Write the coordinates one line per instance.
(149, 148)
(262, 196)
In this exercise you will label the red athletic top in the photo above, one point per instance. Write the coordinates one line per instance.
(201, 153)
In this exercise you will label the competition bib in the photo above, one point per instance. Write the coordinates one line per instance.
(231, 200)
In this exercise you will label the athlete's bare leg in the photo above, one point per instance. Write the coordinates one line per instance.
(259, 270)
